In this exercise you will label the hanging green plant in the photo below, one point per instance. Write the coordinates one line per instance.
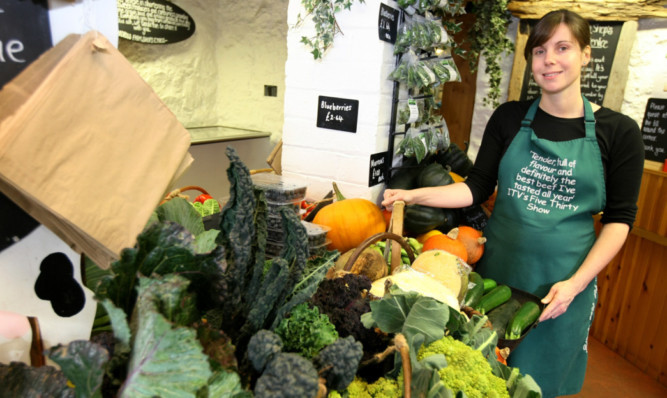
(488, 38)
(323, 13)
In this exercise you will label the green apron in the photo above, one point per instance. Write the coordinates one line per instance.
(540, 231)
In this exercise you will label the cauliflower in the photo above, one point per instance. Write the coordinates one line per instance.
(382, 388)
(467, 370)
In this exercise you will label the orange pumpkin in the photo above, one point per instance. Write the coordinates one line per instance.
(472, 240)
(351, 221)
(444, 242)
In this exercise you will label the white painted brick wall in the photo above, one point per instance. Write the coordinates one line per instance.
(356, 67)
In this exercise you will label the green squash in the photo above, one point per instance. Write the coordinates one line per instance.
(420, 219)
(456, 159)
(434, 175)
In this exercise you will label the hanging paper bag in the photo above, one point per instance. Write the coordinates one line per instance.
(86, 147)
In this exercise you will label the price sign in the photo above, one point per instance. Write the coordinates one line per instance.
(388, 23)
(378, 168)
(153, 22)
(337, 114)
(25, 33)
(654, 127)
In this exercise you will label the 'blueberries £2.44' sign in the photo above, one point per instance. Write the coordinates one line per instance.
(337, 113)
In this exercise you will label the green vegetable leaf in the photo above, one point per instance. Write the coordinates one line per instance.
(20, 380)
(121, 329)
(83, 364)
(224, 384)
(408, 313)
(181, 211)
(153, 370)
(205, 241)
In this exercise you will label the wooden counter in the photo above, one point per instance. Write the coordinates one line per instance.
(631, 313)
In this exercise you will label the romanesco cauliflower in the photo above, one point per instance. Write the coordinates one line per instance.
(467, 370)
(382, 388)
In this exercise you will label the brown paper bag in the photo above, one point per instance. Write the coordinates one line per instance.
(86, 147)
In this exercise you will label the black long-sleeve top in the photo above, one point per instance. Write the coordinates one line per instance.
(619, 138)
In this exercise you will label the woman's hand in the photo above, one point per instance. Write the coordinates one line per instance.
(558, 299)
(392, 195)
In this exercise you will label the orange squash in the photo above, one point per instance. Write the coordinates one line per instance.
(351, 221)
(445, 242)
(472, 240)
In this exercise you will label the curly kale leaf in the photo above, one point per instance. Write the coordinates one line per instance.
(263, 346)
(306, 331)
(341, 299)
(338, 362)
(288, 375)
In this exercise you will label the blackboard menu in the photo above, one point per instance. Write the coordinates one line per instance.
(388, 23)
(153, 22)
(653, 129)
(25, 33)
(337, 114)
(604, 39)
(378, 168)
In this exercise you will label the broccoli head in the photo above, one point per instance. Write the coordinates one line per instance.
(288, 375)
(262, 347)
(337, 363)
(467, 369)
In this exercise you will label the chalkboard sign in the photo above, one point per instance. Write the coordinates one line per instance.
(604, 39)
(337, 114)
(153, 22)
(388, 23)
(378, 168)
(654, 129)
(25, 33)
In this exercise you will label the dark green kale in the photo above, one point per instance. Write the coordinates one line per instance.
(338, 362)
(263, 346)
(288, 375)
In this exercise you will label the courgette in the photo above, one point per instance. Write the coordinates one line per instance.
(496, 297)
(474, 293)
(489, 284)
(500, 316)
(522, 320)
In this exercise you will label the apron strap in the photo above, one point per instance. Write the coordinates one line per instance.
(589, 116)
(530, 115)
(589, 119)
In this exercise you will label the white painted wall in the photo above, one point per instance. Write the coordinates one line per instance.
(356, 68)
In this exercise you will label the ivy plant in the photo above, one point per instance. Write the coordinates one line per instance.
(488, 38)
(323, 14)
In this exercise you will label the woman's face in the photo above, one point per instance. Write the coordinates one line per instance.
(557, 63)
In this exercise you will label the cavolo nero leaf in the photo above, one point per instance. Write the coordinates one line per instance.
(83, 363)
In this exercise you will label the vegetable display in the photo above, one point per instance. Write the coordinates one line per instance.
(206, 313)
(522, 319)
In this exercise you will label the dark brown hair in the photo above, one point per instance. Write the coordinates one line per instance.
(547, 25)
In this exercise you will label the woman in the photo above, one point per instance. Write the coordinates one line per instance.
(557, 161)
